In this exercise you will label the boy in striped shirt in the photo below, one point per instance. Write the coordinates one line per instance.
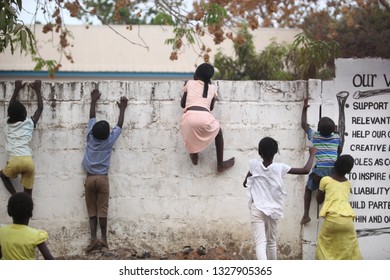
(328, 145)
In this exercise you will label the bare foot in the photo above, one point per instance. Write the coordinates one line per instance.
(92, 246)
(194, 159)
(305, 220)
(103, 243)
(226, 164)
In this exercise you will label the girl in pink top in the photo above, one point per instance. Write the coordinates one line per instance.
(198, 126)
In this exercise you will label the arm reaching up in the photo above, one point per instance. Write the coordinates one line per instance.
(95, 95)
(37, 87)
(304, 124)
(122, 104)
(18, 86)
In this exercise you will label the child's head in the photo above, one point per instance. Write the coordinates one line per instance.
(204, 72)
(20, 207)
(344, 164)
(101, 130)
(16, 112)
(268, 147)
(195, 77)
(326, 126)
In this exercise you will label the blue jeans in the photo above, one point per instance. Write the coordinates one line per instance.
(313, 182)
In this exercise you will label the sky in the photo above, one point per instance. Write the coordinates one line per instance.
(29, 9)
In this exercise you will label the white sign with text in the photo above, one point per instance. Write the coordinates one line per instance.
(361, 91)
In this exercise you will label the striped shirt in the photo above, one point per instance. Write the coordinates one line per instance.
(327, 147)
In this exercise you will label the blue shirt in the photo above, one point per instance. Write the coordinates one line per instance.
(327, 147)
(97, 156)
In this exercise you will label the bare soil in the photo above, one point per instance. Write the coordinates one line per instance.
(187, 253)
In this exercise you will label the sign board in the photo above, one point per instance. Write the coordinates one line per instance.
(361, 91)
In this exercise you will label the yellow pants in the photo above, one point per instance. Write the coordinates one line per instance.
(23, 166)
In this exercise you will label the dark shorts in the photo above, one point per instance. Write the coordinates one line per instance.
(97, 194)
(313, 182)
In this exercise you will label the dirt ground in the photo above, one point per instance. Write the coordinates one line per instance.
(187, 253)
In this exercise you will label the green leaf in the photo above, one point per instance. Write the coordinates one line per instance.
(163, 19)
(7, 40)
(31, 40)
(38, 64)
(20, 5)
(214, 14)
(18, 26)
(3, 23)
(23, 40)
(169, 41)
(190, 38)
(11, 45)
(50, 65)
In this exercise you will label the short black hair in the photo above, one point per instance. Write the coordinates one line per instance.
(20, 206)
(268, 147)
(101, 130)
(344, 164)
(16, 112)
(326, 126)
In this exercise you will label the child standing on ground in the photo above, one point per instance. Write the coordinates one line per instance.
(267, 194)
(96, 162)
(198, 126)
(18, 241)
(18, 133)
(337, 239)
(328, 147)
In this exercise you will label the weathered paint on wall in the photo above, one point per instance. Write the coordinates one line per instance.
(159, 201)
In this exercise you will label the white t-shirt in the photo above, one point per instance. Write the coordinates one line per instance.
(18, 137)
(266, 187)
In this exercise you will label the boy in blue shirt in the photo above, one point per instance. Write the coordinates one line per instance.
(96, 162)
(328, 147)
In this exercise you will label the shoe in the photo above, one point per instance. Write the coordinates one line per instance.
(187, 250)
(202, 251)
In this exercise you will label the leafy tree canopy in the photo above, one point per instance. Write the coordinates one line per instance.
(349, 22)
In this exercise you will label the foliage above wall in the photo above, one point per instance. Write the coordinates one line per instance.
(359, 27)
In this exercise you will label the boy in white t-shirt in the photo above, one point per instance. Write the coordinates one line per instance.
(18, 133)
(267, 194)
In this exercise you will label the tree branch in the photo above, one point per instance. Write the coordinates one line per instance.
(144, 45)
(385, 4)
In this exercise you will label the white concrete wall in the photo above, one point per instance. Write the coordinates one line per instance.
(159, 201)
